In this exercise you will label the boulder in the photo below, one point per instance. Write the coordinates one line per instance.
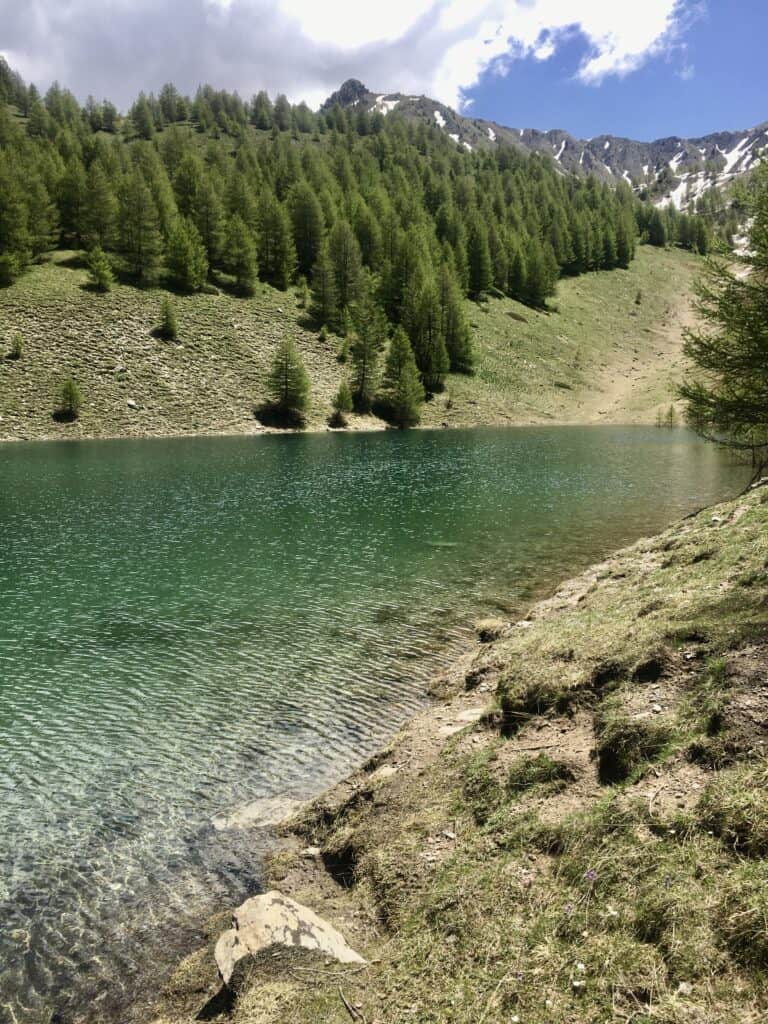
(275, 920)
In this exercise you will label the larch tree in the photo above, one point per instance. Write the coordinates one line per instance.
(186, 257)
(402, 391)
(240, 256)
(288, 383)
(277, 255)
(141, 244)
(347, 264)
(365, 350)
(324, 303)
(727, 393)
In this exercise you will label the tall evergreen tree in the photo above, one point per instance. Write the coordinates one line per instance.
(347, 263)
(100, 209)
(324, 305)
(479, 257)
(423, 322)
(453, 323)
(186, 258)
(241, 258)
(141, 244)
(727, 393)
(403, 392)
(367, 344)
(288, 383)
(208, 215)
(308, 226)
(277, 256)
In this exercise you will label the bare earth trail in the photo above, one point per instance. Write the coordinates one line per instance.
(625, 391)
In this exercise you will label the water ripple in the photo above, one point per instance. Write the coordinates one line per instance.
(187, 626)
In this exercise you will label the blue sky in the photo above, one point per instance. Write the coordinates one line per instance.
(641, 68)
(715, 77)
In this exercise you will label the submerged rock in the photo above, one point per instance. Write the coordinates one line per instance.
(276, 920)
(268, 811)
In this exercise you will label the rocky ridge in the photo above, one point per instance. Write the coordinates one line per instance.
(675, 170)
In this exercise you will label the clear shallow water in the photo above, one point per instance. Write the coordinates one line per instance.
(188, 625)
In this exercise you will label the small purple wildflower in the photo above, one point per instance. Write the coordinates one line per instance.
(568, 909)
(591, 876)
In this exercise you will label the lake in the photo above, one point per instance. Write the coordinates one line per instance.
(188, 625)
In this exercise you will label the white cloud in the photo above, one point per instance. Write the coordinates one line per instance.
(306, 49)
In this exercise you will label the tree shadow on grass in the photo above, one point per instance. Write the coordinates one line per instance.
(271, 415)
(63, 416)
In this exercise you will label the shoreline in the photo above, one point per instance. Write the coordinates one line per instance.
(341, 432)
(329, 849)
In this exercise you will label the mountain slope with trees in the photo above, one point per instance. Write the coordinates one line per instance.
(378, 222)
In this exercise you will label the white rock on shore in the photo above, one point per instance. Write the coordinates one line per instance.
(276, 920)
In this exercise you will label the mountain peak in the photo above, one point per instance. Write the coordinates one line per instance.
(348, 95)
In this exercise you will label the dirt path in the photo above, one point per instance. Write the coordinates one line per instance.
(642, 379)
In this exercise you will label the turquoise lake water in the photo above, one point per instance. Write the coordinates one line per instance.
(189, 625)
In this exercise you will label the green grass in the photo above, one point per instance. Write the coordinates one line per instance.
(531, 366)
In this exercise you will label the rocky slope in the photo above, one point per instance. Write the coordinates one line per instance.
(677, 170)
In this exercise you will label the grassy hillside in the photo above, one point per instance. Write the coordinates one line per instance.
(590, 846)
(600, 357)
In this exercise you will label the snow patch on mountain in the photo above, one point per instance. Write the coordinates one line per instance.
(383, 105)
(439, 119)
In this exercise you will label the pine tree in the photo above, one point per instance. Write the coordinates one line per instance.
(657, 232)
(186, 258)
(168, 329)
(70, 401)
(422, 321)
(100, 209)
(347, 264)
(324, 304)
(308, 226)
(187, 183)
(727, 396)
(403, 392)
(288, 384)
(241, 259)
(342, 404)
(277, 256)
(100, 270)
(262, 111)
(479, 258)
(453, 323)
(142, 117)
(541, 273)
(72, 200)
(141, 243)
(365, 350)
(42, 217)
(208, 215)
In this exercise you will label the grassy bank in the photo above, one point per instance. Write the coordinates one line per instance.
(579, 834)
(601, 356)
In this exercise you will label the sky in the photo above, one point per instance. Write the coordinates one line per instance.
(640, 68)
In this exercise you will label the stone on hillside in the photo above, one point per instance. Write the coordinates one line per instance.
(275, 920)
